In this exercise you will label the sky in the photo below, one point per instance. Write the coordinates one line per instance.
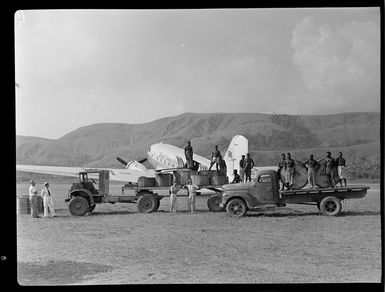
(75, 68)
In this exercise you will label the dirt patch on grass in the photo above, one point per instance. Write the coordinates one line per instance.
(56, 272)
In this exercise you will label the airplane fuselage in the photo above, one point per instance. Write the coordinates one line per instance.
(162, 155)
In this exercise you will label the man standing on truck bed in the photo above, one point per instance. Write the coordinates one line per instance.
(329, 168)
(340, 162)
(242, 168)
(188, 151)
(281, 165)
(215, 157)
(249, 164)
(311, 168)
(222, 166)
(290, 170)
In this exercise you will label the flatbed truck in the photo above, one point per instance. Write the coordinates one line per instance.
(83, 196)
(239, 198)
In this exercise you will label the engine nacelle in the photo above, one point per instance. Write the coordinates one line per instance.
(135, 165)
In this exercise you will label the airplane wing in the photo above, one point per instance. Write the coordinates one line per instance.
(121, 175)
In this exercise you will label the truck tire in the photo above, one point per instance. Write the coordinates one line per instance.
(147, 204)
(330, 206)
(213, 203)
(78, 206)
(236, 207)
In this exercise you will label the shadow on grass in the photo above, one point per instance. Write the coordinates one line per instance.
(343, 214)
(260, 214)
(360, 213)
(121, 212)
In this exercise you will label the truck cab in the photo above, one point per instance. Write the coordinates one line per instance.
(264, 190)
(83, 194)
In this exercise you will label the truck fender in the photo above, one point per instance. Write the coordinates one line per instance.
(244, 196)
(83, 193)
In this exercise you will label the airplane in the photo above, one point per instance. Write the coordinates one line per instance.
(161, 156)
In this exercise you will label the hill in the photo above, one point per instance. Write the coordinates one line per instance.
(355, 134)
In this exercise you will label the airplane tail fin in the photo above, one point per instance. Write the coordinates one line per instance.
(239, 146)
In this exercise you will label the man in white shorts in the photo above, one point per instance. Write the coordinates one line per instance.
(341, 163)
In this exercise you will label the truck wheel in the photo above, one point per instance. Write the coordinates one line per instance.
(330, 206)
(213, 203)
(236, 207)
(147, 204)
(78, 206)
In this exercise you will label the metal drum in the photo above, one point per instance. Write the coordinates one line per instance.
(183, 175)
(300, 175)
(218, 180)
(23, 205)
(164, 179)
(200, 179)
(321, 178)
(146, 182)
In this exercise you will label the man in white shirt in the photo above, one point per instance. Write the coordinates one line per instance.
(47, 201)
(33, 199)
(173, 198)
(192, 194)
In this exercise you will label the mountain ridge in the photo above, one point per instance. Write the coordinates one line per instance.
(97, 145)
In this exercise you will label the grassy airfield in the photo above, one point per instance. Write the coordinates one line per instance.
(118, 245)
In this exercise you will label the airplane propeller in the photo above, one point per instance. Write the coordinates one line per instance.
(125, 162)
(121, 161)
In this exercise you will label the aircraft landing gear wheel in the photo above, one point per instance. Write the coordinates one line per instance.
(78, 206)
(236, 208)
(213, 203)
(330, 206)
(147, 204)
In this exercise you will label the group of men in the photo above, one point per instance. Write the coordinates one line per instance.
(49, 209)
(288, 164)
(192, 193)
(216, 158)
(245, 164)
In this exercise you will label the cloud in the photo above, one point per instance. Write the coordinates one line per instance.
(339, 62)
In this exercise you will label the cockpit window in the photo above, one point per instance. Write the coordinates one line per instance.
(264, 178)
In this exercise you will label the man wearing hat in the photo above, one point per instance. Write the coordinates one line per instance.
(192, 194)
(47, 201)
(242, 168)
(33, 199)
